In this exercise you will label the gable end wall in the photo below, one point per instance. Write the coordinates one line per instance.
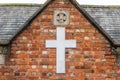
(30, 60)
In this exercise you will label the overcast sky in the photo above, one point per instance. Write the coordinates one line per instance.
(91, 2)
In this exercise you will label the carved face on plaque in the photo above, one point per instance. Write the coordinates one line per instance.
(61, 17)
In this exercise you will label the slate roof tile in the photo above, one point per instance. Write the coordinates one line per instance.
(12, 18)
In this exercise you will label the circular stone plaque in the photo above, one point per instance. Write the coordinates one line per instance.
(61, 17)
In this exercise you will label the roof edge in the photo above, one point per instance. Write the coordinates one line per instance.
(101, 6)
(20, 4)
(117, 44)
(4, 42)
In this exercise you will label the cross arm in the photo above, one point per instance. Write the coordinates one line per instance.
(51, 44)
(70, 43)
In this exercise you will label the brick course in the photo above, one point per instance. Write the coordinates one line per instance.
(30, 60)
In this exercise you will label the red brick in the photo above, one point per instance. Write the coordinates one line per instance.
(22, 55)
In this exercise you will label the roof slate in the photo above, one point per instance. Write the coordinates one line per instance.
(12, 18)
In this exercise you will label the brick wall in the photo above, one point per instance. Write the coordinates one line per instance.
(30, 60)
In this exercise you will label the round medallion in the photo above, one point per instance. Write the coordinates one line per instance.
(61, 17)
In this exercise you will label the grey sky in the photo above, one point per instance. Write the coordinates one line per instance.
(92, 2)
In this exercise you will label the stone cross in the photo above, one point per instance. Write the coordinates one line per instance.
(60, 44)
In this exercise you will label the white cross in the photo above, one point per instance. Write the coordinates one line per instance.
(60, 44)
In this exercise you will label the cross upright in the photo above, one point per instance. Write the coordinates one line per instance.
(60, 44)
